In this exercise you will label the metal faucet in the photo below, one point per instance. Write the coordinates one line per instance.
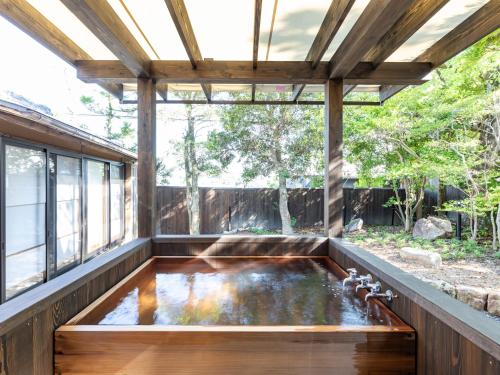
(352, 278)
(388, 295)
(366, 284)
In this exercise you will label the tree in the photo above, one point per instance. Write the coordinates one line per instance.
(446, 129)
(270, 140)
(105, 106)
(193, 155)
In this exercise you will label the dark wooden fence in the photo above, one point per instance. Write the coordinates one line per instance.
(229, 209)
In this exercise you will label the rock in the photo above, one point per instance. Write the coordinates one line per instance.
(475, 297)
(424, 257)
(432, 228)
(443, 286)
(354, 225)
(493, 305)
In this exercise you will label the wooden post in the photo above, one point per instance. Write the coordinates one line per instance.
(146, 150)
(334, 202)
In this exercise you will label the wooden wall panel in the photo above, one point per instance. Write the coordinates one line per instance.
(452, 338)
(27, 346)
(239, 245)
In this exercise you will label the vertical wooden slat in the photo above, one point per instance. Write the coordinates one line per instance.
(146, 158)
(333, 158)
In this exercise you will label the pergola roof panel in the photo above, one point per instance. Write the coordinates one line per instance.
(66, 21)
(445, 20)
(223, 28)
(296, 24)
(353, 15)
(160, 39)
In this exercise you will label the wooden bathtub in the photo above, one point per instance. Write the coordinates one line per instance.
(240, 315)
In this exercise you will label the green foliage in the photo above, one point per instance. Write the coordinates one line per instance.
(445, 130)
(270, 140)
(450, 249)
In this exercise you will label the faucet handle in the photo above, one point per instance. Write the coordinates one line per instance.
(353, 272)
(365, 279)
(376, 288)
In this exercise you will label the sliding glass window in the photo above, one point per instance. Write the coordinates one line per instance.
(117, 195)
(68, 210)
(25, 221)
(97, 206)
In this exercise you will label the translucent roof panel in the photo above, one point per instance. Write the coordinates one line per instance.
(273, 92)
(231, 92)
(152, 26)
(223, 28)
(71, 26)
(295, 26)
(188, 91)
(353, 15)
(446, 19)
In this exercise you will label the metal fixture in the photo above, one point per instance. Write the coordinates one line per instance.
(365, 283)
(354, 278)
(388, 295)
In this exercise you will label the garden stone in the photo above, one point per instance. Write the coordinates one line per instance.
(493, 306)
(354, 225)
(443, 286)
(424, 257)
(475, 297)
(432, 228)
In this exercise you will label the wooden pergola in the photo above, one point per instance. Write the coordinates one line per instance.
(361, 60)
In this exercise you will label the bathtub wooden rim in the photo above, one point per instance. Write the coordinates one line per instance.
(73, 323)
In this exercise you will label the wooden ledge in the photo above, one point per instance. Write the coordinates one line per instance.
(23, 307)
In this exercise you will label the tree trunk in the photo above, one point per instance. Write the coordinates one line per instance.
(192, 174)
(498, 224)
(286, 222)
(494, 228)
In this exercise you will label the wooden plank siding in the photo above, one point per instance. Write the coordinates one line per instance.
(212, 245)
(230, 209)
(452, 338)
(28, 322)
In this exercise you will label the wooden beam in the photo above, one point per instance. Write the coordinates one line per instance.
(387, 91)
(478, 25)
(106, 25)
(331, 23)
(296, 91)
(347, 89)
(146, 153)
(180, 16)
(256, 37)
(377, 18)
(276, 72)
(256, 31)
(25, 17)
(255, 102)
(411, 21)
(162, 90)
(334, 202)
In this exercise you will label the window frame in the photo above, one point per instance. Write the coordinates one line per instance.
(51, 271)
(4, 142)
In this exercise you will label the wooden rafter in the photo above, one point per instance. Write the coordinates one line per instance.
(377, 18)
(256, 37)
(258, 102)
(274, 72)
(411, 21)
(348, 89)
(387, 91)
(162, 90)
(180, 16)
(106, 25)
(477, 26)
(334, 18)
(32, 22)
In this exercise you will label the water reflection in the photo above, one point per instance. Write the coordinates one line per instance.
(243, 292)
